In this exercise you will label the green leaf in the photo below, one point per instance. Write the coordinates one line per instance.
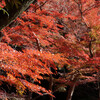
(17, 3)
(4, 11)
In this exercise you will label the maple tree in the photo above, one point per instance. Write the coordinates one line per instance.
(53, 40)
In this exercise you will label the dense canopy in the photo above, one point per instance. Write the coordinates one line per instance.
(57, 41)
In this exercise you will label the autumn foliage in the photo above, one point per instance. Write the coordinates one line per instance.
(53, 40)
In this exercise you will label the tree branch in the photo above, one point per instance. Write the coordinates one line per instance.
(72, 87)
(13, 13)
(90, 48)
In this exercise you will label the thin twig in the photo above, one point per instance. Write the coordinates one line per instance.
(51, 84)
(37, 42)
(1, 36)
(41, 5)
(90, 49)
(72, 87)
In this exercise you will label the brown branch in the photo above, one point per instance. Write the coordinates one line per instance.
(90, 7)
(37, 42)
(79, 3)
(13, 13)
(36, 38)
(90, 48)
(72, 87)
(41, 5)
(51, 85)
(1, 35)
